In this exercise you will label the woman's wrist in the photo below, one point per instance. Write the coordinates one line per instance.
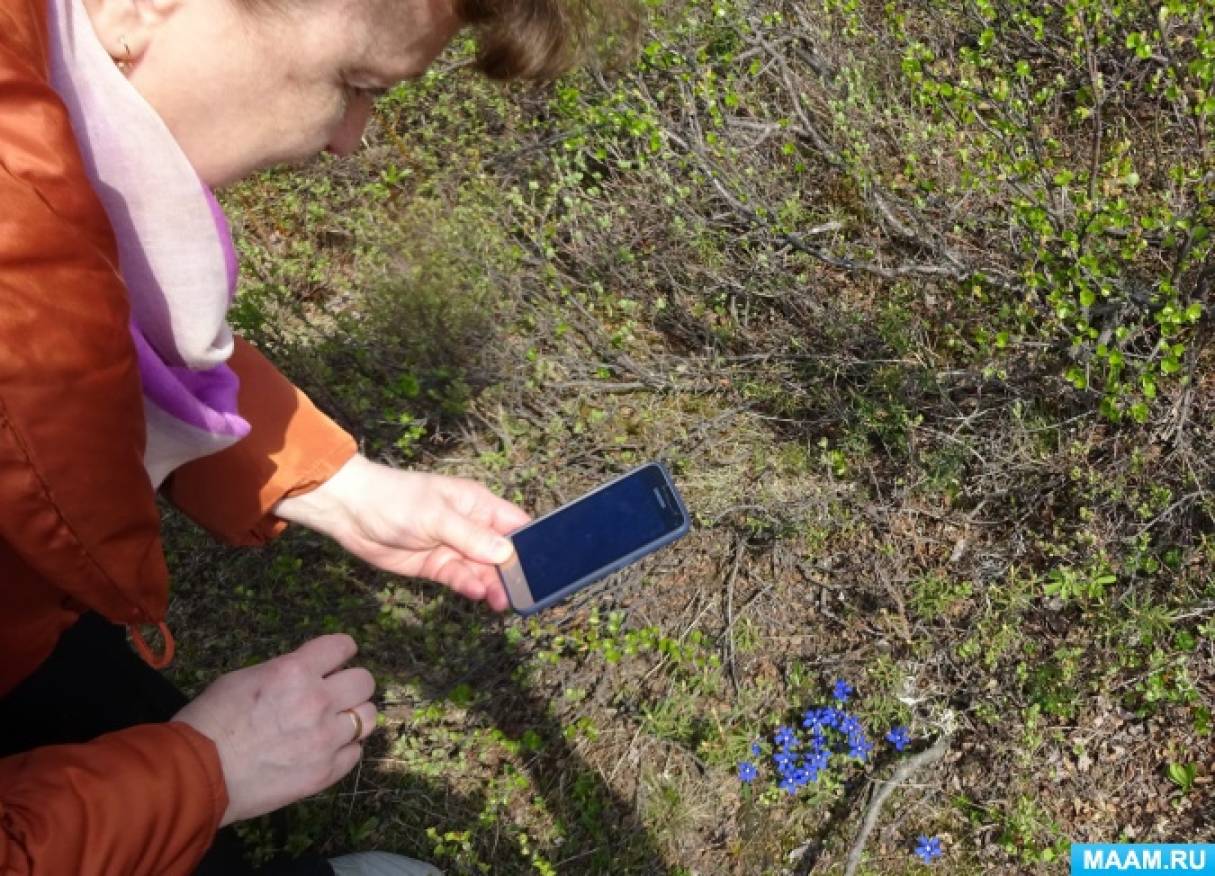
(329, 507)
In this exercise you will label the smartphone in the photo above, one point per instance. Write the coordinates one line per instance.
(591, 537)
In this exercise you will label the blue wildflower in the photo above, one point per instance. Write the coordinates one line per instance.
(899, 737)
(788, 785)
(815, 719)
(785, 737)
(928, 848)
(756, 751)
(841, 691)
(859, 747)
(747, 771)
(850, 724)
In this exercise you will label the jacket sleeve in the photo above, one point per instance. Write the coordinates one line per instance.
(145, 801)
(291, 449)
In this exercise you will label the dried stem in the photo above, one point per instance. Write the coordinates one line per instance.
(905, 771)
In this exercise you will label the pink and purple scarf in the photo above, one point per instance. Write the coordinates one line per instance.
(175, 249)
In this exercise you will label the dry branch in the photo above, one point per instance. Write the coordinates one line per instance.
(740, 550)
(905, 771)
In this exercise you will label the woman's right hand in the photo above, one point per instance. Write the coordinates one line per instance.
(281, 727)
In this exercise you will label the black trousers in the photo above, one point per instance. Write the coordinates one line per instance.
(93, 684)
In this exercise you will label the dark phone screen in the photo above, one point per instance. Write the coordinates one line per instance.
(595, 531)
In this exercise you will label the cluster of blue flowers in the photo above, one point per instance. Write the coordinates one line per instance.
(832, 731)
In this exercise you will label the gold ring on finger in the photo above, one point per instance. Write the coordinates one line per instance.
(358, 724)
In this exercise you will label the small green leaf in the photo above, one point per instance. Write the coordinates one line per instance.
(461, 695)
(531, 740)
(1183, 775)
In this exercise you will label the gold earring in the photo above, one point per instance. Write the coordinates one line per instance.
(124, 64)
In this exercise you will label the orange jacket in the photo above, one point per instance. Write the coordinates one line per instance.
(79, 529)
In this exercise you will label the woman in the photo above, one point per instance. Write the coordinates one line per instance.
(118, 377)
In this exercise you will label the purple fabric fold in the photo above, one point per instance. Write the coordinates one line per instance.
(205, 400)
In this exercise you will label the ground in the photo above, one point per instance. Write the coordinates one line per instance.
(913, 299)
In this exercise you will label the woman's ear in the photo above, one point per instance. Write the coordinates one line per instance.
(127, 27)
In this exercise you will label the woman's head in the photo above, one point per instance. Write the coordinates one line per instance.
(244, 84)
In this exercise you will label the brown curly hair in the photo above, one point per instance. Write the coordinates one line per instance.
(540, 39)
(537, 39)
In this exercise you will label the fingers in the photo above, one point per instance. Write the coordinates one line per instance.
(475, 541)
(349, 687)
(495, 595)
(475, 582)
(482, 506)
(348, 731)
(324, 654)
(448, 567)
(349, 691)
(506, 517)
(344, 761)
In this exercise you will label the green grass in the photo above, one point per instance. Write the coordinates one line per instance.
(847, 301)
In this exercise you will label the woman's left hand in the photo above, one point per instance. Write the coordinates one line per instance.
(449, 530)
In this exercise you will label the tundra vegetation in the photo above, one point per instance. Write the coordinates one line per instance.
(914, 298)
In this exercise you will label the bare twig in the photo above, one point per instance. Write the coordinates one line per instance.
(739, 549)
(906, 769)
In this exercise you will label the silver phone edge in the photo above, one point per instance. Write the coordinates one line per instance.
(515, 582)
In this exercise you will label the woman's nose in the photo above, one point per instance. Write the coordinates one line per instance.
(349, 133)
